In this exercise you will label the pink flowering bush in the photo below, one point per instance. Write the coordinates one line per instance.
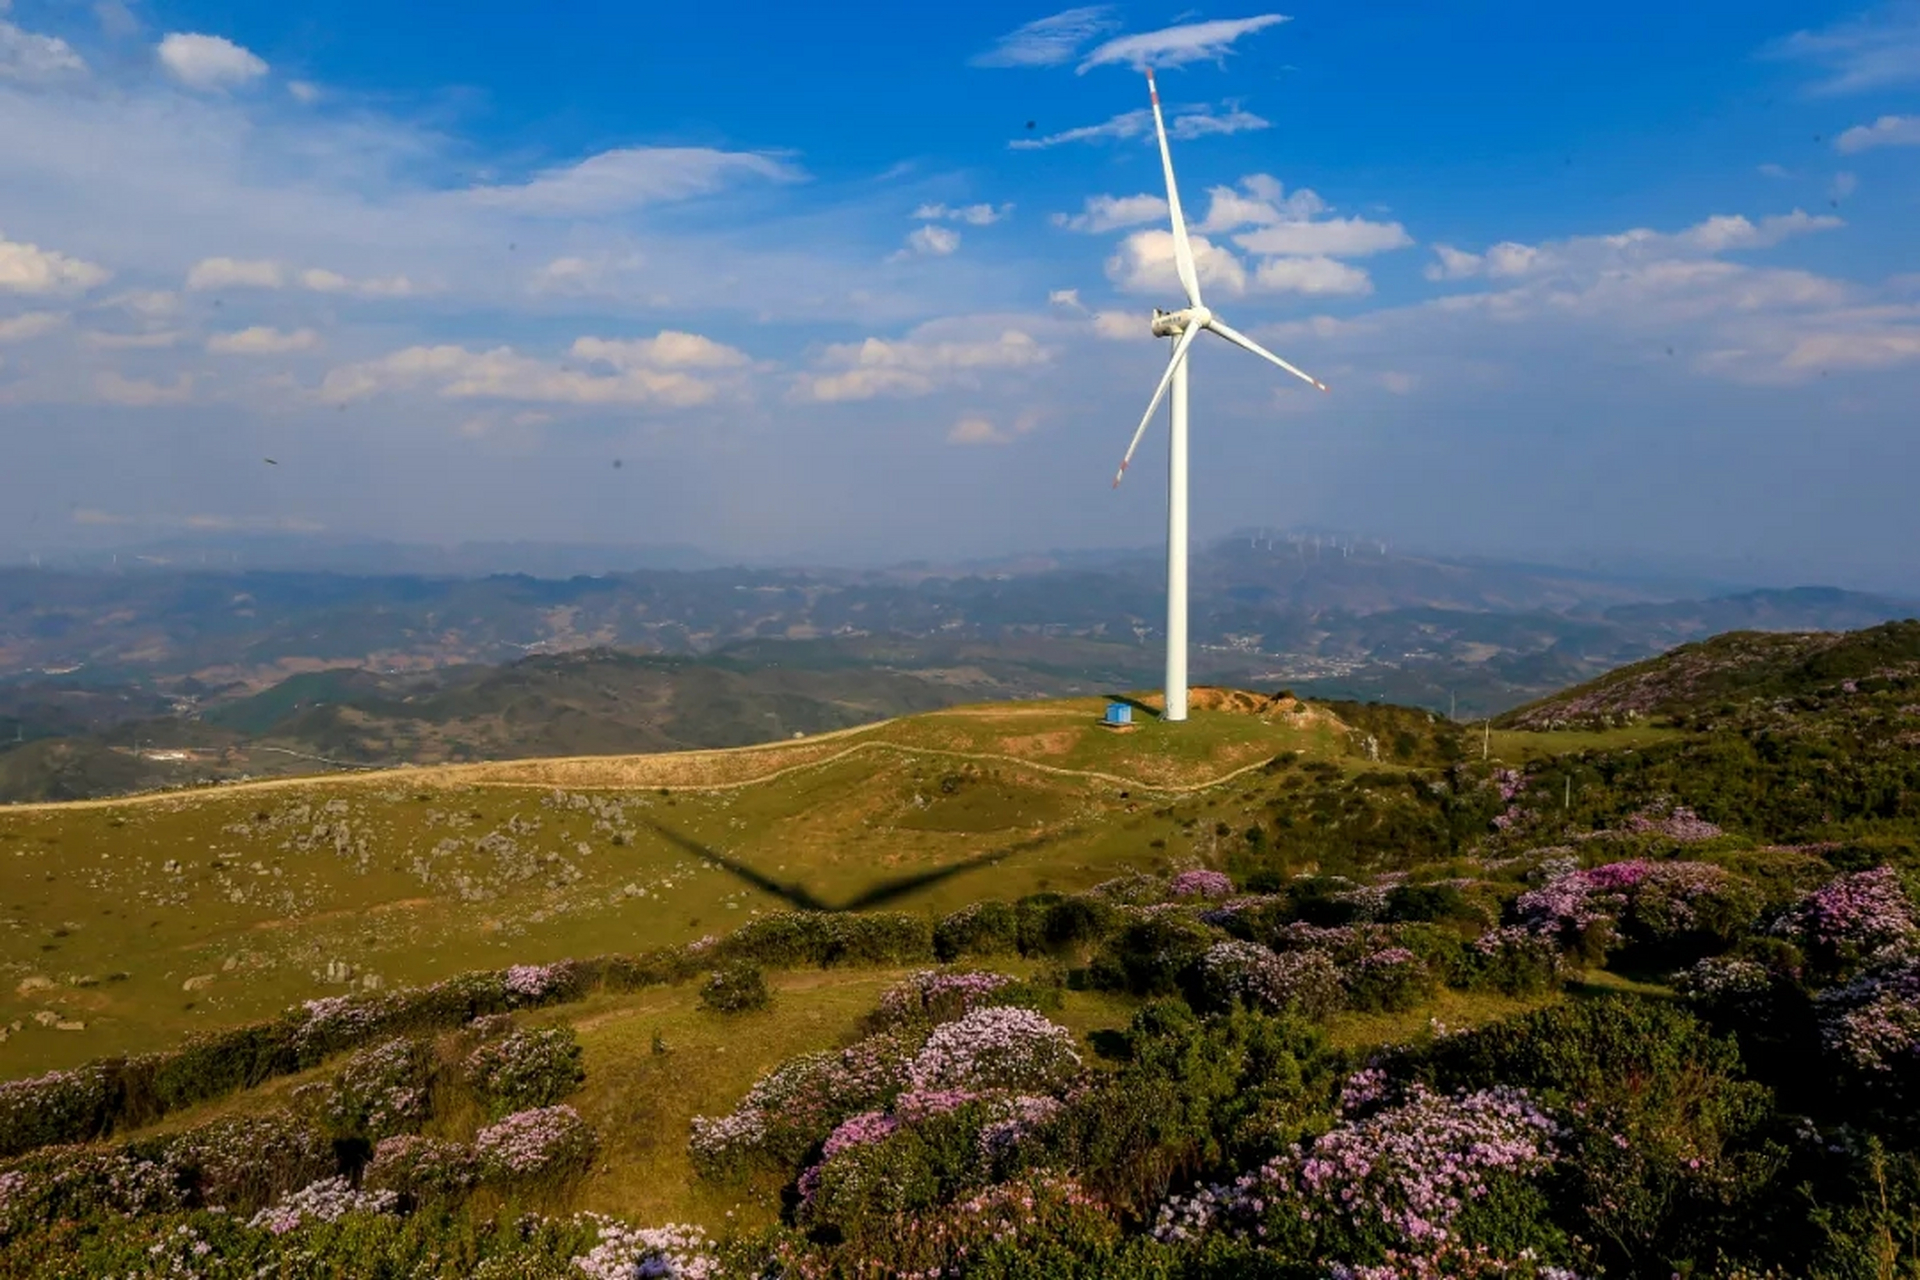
(242, 1162)
(1249, 973)
(328, 1200)
(800, 1102)
(1512, 960)
(1415, 1176)
(420, 1168)
(1201, 883)
(1845, 921)
(380, 1091)
(995, 1048)
(1872, 1023)
(1662, 905)
(542, 1143)
(60, 1106)
(931, 995)
(633, 1253)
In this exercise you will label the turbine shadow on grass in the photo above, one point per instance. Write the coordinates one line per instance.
(803, 899)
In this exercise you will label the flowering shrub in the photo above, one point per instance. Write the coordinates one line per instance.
(1137, 889)
(420, 1167)
(1846, 920)
(380, 1091)
(795, 1105)
(526, 1069)
(739, 987)
(1680, 824)
(1150, 956)
(1201, 883)
(634, 1253)
(995, 1048)
(1512, 960)
(1873, 1022)
(1250, 973)
(933, 996)
(540, 1143)
(1407, 1176)
(60, 1106)
(1391, 979)
(242, 1162)
(1013, 1120)
(328, 1200)
(1662, 904)
(75, 1182)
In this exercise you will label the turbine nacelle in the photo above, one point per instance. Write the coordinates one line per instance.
(1171, 324)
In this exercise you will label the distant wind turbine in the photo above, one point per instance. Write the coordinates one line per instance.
(1183, 327)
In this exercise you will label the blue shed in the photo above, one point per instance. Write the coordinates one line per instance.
(1119, 713)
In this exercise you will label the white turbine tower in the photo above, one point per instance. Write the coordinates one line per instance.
(1183, 327)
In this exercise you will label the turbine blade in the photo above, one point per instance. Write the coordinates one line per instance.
(1241, 340)
(1182, 251)
(1185, 340)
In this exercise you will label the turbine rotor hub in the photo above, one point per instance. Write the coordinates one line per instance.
(1171, 324)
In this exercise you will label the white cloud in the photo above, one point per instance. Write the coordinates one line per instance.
(1316, 276)
(27, 268)
(974, 215)
(1718, 234)
(503, 374)
(32, 324)
(208, 62)
(321, 280)
(1333, 237)
(1878, 49)
(1400, 384)
(1144, 264)
(150, 341)
(304, 92)
(915, 366)
(1176, 46)
(1260, 201)
(977, 428)
(1068, 298)
(1109, 213)
(228, 273)
(1887, 131)
(1771, 170)
(933, 241)
(669, 349)
(34, 58)
(140, 392)
(1184, 125)
(147, 304)
(260, 340)
(1121, 326)
(1048, 42)
(1843, 185)
(616, 181)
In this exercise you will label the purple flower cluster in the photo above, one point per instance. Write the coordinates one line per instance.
(380, 1091)
(633, 1253)
(1408, 1169)
(995, 1048)
(790, 1108)
(1681, 824)
(1665, 899)
(54, 1107)
(919, 1104)
(1718, 979)
(933, 994)
(1873, 1022)
(1271, 980)
(1016, 1118)
(1201, 883)
(420, 1166)
(1453, 1261)
(529, 1144)
(1852, 916)
(526, 1069)
(531, 983)
(328, 1200)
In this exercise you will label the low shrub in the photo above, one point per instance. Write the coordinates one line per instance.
(739, 987)
(541, 1144)
(823, 939)
(526, 1069)
(979, 929)
(380, 1091)
(1151, 956)
(1390, 980)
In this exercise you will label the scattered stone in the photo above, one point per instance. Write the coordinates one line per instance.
(33, 983)
(70, 1026)
(198, 982)
(46, 1017)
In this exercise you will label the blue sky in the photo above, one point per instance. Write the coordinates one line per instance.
(1645, 281)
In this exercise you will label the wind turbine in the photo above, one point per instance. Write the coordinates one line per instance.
(1183, 327)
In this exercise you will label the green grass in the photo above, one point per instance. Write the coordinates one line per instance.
(1519, 746)
(410, 876)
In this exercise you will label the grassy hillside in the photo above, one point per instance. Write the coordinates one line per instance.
(1274, 992)
(147, 918)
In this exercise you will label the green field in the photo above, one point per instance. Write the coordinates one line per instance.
(130, 923)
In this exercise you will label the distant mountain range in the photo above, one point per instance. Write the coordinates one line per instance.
(261, 671)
